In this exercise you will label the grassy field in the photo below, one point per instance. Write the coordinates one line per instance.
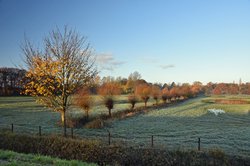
(181, 125)
(24, 110)
(173, 127)
(27, 115)
(8, 158)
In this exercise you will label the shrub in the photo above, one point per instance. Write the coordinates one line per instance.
(76, 122)
(95, 124)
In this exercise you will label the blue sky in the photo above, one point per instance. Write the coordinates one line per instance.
(164, 40)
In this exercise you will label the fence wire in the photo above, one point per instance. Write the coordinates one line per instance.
(144, 140)
(136, 140)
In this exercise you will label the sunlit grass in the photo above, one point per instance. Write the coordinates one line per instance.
(19, 159)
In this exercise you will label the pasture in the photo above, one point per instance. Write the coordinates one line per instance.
(174, 127)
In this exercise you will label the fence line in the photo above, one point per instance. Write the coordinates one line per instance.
(107, 136)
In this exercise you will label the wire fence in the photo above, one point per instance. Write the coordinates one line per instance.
(107, 137)
(128, 139)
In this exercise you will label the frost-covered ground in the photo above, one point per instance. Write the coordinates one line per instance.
(182, 125)
(216, 111)
(173, 127)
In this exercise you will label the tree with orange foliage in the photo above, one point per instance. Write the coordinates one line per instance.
(220, 89)
(55, 73)
(185, 90)
(108, 91)
(165, 95)
(209, 88)
(196, 88)
(245, 89)
(144, 91)
(84, 100)
(217, 91)
(155, 92)
(173, 93)
(233, 89)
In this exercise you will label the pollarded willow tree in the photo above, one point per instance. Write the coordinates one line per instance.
(144, 91)
(84, 100)
(109, 90)
(155, 92)
(56, 71)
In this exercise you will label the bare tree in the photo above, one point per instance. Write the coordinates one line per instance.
(56, 71)
(132, 81)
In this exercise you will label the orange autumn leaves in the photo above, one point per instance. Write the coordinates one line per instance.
(42, 77)
(144, 91)
(108, 90)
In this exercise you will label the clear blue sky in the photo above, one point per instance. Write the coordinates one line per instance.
(164, 40)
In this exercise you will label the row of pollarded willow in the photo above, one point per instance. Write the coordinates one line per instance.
(109, 90)
(145, 91)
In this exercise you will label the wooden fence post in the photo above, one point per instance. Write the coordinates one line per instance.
(72, 133)
(12, 127)
(109, 137)
(199, 144)
(152, 141)
(40, 131)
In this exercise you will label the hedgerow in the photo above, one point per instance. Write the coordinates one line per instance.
(97, 152)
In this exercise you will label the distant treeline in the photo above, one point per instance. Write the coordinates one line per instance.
(11, 81)
(227, 88)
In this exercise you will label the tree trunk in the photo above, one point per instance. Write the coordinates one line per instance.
(109, 112)
(63, 118)
(145, 104)
(87, 114)
(132, 106)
